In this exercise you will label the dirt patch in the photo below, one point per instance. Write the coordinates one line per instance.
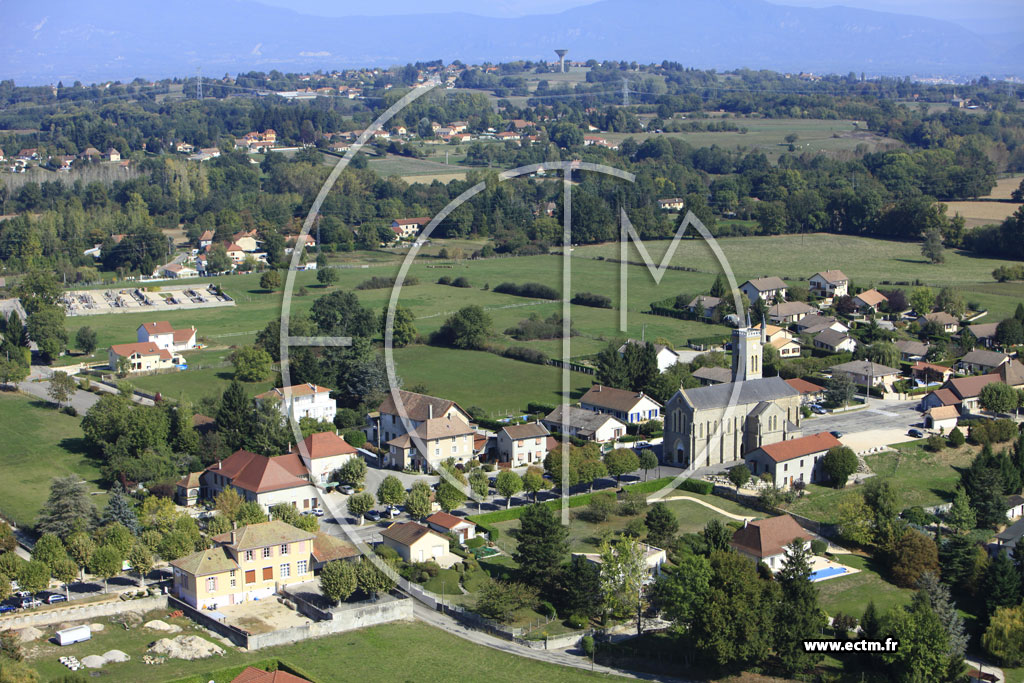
(186, 647)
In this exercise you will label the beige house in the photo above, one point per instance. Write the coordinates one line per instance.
(246, 564)
(388, 424)
(142, 357)
(941, 418)
(417, 543)
(408, 227)
(796, 460)
(869, 301)
(865, 373)
(521, 445)
(948, 323)
(178, 270)
(765, 540)
(829, 283)
(267, 481)
(435, 441)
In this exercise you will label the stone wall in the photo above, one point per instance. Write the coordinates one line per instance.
(82, 612)
(360, 616)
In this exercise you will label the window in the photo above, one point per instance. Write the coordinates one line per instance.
(300, 567)
(248, 555)
(454, 448)
(211, 584)
(284, 549)
(268, 573)
(250, 576)
(285, 571)
(785, 468)
(266, 552)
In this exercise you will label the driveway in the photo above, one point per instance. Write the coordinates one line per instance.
(80, 400)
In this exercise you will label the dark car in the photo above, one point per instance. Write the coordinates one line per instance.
(373, 516)
(818, 410)
(836, 433)
(4, 609)
(916, 433)
(55, 597)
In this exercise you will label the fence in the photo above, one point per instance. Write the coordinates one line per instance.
(91, 610)
(569, 365)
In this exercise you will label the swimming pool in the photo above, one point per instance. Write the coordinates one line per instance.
(827, 573)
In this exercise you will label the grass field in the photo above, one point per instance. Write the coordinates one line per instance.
(44, 444)
(981, 213)
(410, 169)
(368, 654)
(851, 594)
(209, 369)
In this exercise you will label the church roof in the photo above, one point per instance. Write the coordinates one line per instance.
(751, 391)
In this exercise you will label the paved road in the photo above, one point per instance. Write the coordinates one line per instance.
(80, 400)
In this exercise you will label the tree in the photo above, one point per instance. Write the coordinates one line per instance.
(252, 364)
(1010, 332)
(621, 461)
(80, 548)
(7, 540)
(46, 328)
(468, 328)
(352, 472)
(417, 502)
(914, 555)
(120, 509)
(140, 559)
(271, 280)
(581, 587)
(611, 368)
(326, 276)
(854, 520)
(923, 644)
(1001, 586)
(533, 481)
(372, 580)
(956, 438)
(49, 550)
(85, 339)
(338, 580)
(1004, 637)
(647, 460)
(922, 300)
(228, 502)
(67, 509)
(250, 512)
(802, 619)
(65, 570)
(681, 594)
(480, 485)
(739, 476)
(359, 504)
(839, 389)
(106, 563)
(114, 534)
(508, 484)
(717, 535)
(500, 599)
(951, 301)
(62, 388)
(840, 462)
(390, 492)
(234, 415)
(11, 371)
(448, 496)
(931, 248)
(623, 570)
(403, 332)
(960, 516)
(998, 397)
(542, 545)
(662, 525)
(33, 576)
(940, 601)
(590, 470)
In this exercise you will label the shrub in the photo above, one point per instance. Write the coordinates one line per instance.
(547, 609)
(526, 354)
(487, 467)
(533, 407)
(386, 553)
(587, 643)
(577, 621)
(533, 290)
(383, 282)
(984, 432)
(636, 528)
(956, 438)
(444, 280)
(475, 542)
(69, 410)
(461, 282)
(935, 443)
(355, 438)
(697, 486)
(592, 300)
(818, 546)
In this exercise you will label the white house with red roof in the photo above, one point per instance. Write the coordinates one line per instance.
(408, 227)
(765, 540)
(445, 523)
(303, 400)
(794, 460)
(265, 480)
(323, 453)
(162, 334)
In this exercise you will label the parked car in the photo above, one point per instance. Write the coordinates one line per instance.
(393, 510)
(916, 433)
(319, 512)
(373, 516)
(836, 433)
(55, 597)
(22, 594)
(346, 489)
(4, 609)
(30, 602)
(818, 410)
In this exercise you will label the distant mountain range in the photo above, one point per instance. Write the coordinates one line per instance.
(122, 39)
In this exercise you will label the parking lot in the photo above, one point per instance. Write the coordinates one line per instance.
(137, 299)
(879, 424)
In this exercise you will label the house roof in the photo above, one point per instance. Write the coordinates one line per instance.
(412, 221)
(206, 236)
(190, 481)
(418, 407)
(407, 533)
(830, 337)
(181, 336)
(871, 297)
(969, 387)
(767, 537)
(435, 428)
(531, 430)
(833, 277)
(325, 445)
(863, 367)
(158, 327)
(803, 386)
(251, 674)
(1012, 373)
(448, 521)
(983, 330)
(932, 367)
(142, 348)
(750, 391)
(782, 342)
(714, 374)
(295, 390)
(212, 561)
(943, 412)
(764, 284)
(260, 474)
(1012, 533)
(788, 308)
(327, 548)
(614, 399)
(580, 418)
(252, 536)
(911, 347)
(705, 301)
(991, 359)
(1014, 500)
(940, 317)
(769, 329)
(815, 320)
(797, 448)
(946, 397)
(658, 348)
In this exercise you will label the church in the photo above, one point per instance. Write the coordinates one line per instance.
(702, 428)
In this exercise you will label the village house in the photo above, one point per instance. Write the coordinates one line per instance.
(141, 357)
(244, 564)
(408, 227)
(930, 373)
(323, 453)
(809, 391)
(1010, 538)
(813, 324)
(387, 422)
(866, 373)
(654, 558)
(796, 460)
(827, 284)
(789, 312)
(671, 204)
(765, 540)
(1014, 507)
(867, 302)
(178, 270)
(416, 543)
(703, 306)
(941, 419)
(944, 320)
(584, 424)
(262, 479)
(666, 356)
(982, 361)
(765, 288)
(431, 443)
(445, 523)
(985, 333)
(303, 400)
(781, 340)
(206, 239)
(911, 350)
(709, 375)
(631, 407)
(525, 444)
(834, 342)
(165, 336)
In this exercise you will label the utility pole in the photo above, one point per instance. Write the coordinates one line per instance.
(625, 93)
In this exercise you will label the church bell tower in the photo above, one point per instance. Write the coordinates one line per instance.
(747, 344)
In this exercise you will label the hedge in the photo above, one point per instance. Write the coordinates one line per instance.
(697, 486)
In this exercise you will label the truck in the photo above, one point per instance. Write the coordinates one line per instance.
(75, 634)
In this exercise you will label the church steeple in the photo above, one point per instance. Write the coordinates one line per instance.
(747, 345)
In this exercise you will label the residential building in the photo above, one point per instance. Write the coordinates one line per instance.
(787, 348)
(524, 444)
(416, 543)
(911, 350)
(930, 373)
(829, 283)
(387, 423)
(712, 375)
(431, 443)
(1009, 539)
(809, 391)
(323, 453)
(867, 302)
(941, 418)
(1014, 507)
(303, 400)
(866, 373)
(813, 324)
(327, 548)
(187, 489)
(654, 558)
(985, 333)
(265, 480)
(409, 227)
(944, 320)
(703, 306)
(112, 155)
(631, 407)
(142, 357)
(671, 204)
(178, 270)
(968, 390)
(765, 288)
(982, 361)
(765, 540)
(165, 336)
(445, 523)
(796, 460)
(244, 564)
(940, 397)
(666, 356)
(834, 342)
(789, 312)
(584, 424)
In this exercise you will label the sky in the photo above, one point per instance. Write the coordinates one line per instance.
(982, 16)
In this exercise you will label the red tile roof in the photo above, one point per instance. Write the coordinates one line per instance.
(296, 390)
(158, 327)
(443, 519)
(141, 348)
(407, 533)
(258, 473)
(251, 674)
(804, 387)
(181, 336)
(796, 448)
(325, 445)
(947, 397)
(969, 387)
(767, 537)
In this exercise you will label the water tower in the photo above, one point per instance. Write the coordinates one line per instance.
(561, 59)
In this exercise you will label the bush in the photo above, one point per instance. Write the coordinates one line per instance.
(382, 282)
(355, 438)
(577, 621)
(487, 467)
(493, 533)
(956, 438)
(533, 290)
(935, 443)
(984, 432)
(547, 609)
(592, 300)
(526, 354)
(475, 542)
(461, 282)
(818, 546)
(386, 553)
(697, 486)
(587, 643)
(69, 410)
(444, 280)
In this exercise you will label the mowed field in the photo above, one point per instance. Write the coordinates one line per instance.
(977, 213)
(419, 170)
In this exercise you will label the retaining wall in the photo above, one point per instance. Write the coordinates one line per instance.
(344, 620)
(75, 612)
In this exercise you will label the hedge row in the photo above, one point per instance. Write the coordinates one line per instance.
(697, 486)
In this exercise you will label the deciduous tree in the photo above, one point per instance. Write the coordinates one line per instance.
(338, 580)
(508, 484)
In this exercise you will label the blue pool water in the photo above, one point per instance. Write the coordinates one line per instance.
(827, 573)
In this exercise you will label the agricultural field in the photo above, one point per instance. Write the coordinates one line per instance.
(418, 170)
(985, 211)
(46, 444)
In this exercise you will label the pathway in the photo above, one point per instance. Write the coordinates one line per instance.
(738, 518)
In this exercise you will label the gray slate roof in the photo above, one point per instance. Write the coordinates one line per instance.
(751, 391)
(1011, 534)
(992, 359)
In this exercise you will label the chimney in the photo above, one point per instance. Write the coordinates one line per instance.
(745, 521)
(218, 463)
(430, 411)
(232, 537)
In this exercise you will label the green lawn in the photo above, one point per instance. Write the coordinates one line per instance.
(851, 594)
(208, 370)
(919, 477)
(39, 444)
(368, 654)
